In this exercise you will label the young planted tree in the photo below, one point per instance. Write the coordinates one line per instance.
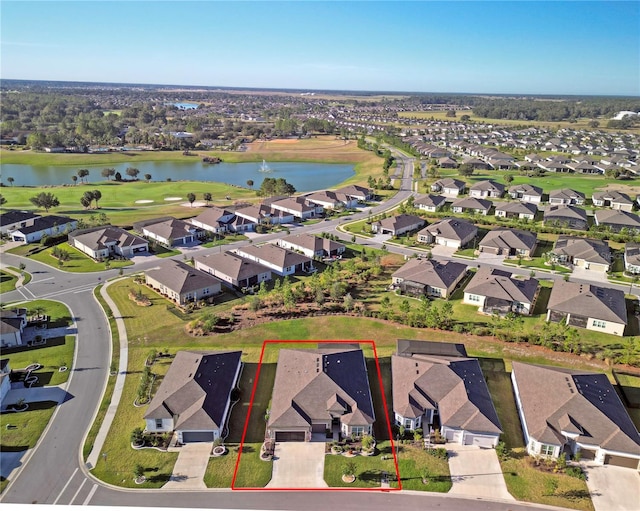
(207, 197)
(191, 197)
(10, 180)
(108, 173)
(147, 177)
(132, 172)
(82, 174)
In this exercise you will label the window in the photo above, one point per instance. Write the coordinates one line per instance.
(407, 423)
(547, 450)
(357, 430)
(474, 298)
(158, 423)
(599, 324)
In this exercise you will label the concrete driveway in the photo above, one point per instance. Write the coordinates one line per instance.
(613, 488)
(298, 465)
(476, 472)
(36, 394)
(188, 472)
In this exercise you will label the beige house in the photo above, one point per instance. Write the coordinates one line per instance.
(182, 283)
(318, 391)
(104, 242)
(433, 379)
(566, 410)
(509, 242)
(582, 252)
(450, 232)
(588, 306)
(425, 277)
(494, 290)
(233, 270)
(194, 398)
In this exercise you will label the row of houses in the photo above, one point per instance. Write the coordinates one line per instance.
(240, 268)
(498, 291)
(325, 392)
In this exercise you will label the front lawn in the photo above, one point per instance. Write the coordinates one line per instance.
(414, 463)
(77, 262)
(530, 484)
(21, 430)
(7, 282)
(224, 240)
(369, 469)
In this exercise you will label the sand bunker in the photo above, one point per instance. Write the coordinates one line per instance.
(143, 201)
(173, 198)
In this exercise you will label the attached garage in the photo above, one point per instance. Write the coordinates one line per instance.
(621, 461)
(290, 436)
(488, 442)
(197, 436)
(587, 454)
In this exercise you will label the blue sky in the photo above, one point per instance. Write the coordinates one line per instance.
(551, 47)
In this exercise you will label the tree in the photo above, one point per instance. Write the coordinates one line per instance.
(108, 172)
(132, 172)
(97, 195)
(348, 302)
(191, 197)
(451, 113)
(85, 201)
(147, 177)
(118, 176)
(594, 124)
(82, 174)
(10, 180)
(3, 200)
(207, 197)
(465, 170)
(74, 179)
(45, 200)
(508, 178)
(250, 183)
(465, 118)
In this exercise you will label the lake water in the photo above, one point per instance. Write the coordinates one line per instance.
(185, 106)
(304, 176)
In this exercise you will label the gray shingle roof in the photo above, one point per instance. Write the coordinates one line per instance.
(431, 273)
(196, 389)
(232, 265)
(451, 228)
(430, 200)
(593, 251)
(555, 398)
(520, 208)
(501, 284)
(617, 218)
(509, 238)
(97, 238)
(588, 300)
(181, 277)
(472, 203)
(561, 211)
(281, 257)
(308, 382)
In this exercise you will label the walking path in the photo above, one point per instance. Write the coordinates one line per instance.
(119, 386)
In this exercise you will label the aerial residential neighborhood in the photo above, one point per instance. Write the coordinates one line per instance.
(249, 259)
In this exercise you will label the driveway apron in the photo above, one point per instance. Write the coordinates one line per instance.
(476, 472)
(188, 472)
(613, 488)
(298, 465)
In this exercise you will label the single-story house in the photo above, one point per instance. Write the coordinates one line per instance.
(169, 231)
(567, 410)
(241, 224)
(568, 217)
(213, 219)
(509, 242)
(50, 225)
(182, 283)
(13, 220)
(194, 398)
(447, 163)
(450, 232)
(432, 379)
(582, 252)
(332, 200)
(425, 277)
(612, 199)
(484, 189)
(566, 196)
(617, 220)
(520, 210)
(104, 242)
(494, 290)
(264, 214)
(312, 246)
(318, 391)
(632, 258)
(472, 206)
(233, 270)
(449, 187)
(431, 203)
(596, 308)
(360, 193)
(398, 225)
(12, 325)
(279, 260)
(526, 193)
(299, 207)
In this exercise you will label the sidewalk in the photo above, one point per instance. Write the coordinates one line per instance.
(98, 444)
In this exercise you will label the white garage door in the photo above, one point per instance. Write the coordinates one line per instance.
(479, 440)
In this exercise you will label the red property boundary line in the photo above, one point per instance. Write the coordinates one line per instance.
(386, 414)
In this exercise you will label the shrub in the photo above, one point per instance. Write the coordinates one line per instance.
(137, 436)
(576, 472)
(502, 451)
(438, 452)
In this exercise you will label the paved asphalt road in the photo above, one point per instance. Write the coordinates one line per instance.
(55, 473)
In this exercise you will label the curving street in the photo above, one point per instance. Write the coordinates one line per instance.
(54, 472)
